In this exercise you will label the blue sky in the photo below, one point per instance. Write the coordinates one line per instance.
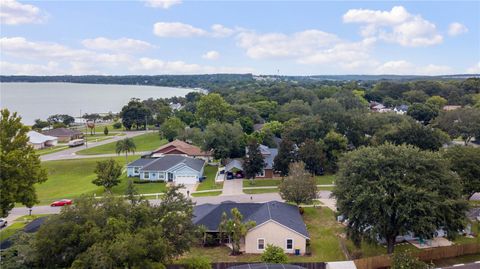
(269, 37)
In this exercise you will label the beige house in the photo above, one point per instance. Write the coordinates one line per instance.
(277, 223)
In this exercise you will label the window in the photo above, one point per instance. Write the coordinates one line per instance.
(289, 243)
(161, 175)
(135, 170)
(146, 175)
(261, 243)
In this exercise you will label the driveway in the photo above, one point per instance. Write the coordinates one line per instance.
(326, 200)
(232, 187)
(71, 152)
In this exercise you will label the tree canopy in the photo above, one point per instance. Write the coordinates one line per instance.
(391, 190)
(19, 165)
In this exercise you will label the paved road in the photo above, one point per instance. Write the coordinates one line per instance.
(475, 265)
(243, 198)
(71, 152)
(239, 198)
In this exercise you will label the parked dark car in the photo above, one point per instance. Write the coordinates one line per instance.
(230, 175)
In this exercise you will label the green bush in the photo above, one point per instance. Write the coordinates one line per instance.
(274, 254)
(117, 125)
(404, 260)
(197, 263)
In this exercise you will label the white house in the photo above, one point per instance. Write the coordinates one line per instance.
(40, 141)
(170, 168)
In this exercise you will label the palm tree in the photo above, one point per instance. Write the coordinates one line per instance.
(125, 145)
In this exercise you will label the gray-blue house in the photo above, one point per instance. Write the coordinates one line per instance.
(170, 168)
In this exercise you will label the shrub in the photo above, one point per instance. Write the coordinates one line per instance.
(197, 263)
(117, 125)
(274, 254)
(105, 131)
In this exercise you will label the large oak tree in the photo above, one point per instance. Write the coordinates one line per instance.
(20, 167)
(389, 190)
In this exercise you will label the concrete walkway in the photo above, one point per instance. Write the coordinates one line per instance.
(70, 153)
(233, 187)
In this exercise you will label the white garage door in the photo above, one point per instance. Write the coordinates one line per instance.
(186, 179)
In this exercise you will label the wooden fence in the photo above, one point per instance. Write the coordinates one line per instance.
(225, 265)
(425, 255)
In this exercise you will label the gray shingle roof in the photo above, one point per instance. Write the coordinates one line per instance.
(168, 161)
(140, 162)
(59, 132)
(210, 215)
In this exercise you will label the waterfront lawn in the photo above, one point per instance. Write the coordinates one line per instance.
(145, 142)
(261, 182)
(325, 179)
(210, 172)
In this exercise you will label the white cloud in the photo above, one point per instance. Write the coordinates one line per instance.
(29, 69)
(456, 28)
(14, 13)
(39, 55)
(211, 55)
(279, 45)
(69, 60)
(176, 29)
(219, 30)
(165, 4)
(402, 67)
(474, 69)
(396, 26)
(119, 45)
(156, 66)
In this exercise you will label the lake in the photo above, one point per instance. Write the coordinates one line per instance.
(40, 100)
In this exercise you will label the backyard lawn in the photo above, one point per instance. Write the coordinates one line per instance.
(72, 178)
(145, 142)
(209, 183)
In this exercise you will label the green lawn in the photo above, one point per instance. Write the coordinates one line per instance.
(53, 149)
(259, 191)
(204, 194)
(325, 179)
(18, 224)
(209, 183)
(330, 188)
(261, 182)
(72, 178)
(145, 142)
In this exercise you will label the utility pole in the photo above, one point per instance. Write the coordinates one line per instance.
(146, 123)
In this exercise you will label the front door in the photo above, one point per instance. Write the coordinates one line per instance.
(170, 177)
